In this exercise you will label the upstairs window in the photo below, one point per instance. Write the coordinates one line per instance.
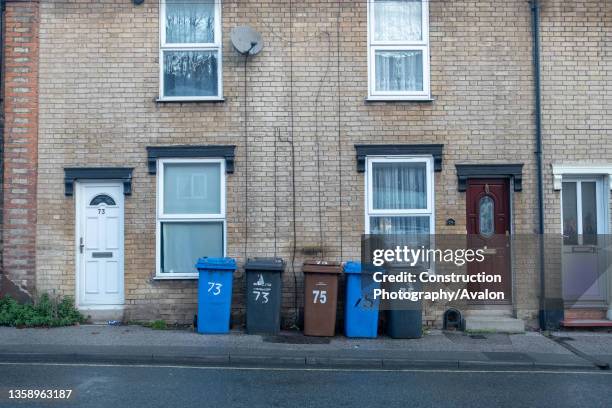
(398, 49)
(190, 51)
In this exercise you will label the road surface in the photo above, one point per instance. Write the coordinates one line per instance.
(176, 386)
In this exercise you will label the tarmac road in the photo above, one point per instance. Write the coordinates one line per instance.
(177, 386)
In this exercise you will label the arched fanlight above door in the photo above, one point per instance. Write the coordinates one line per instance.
(102, 199)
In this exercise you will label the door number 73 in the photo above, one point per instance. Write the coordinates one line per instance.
(319, 296)
(214, 288)
(263, 295)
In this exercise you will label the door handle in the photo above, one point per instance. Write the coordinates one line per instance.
(81, 245)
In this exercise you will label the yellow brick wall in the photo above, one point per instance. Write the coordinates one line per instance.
(99, 81)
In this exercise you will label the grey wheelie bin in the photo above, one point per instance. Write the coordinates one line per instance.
(264, 294)
(404, 317)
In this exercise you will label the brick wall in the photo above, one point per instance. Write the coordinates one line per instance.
(576, 87)
(99, 80)
(20, 159)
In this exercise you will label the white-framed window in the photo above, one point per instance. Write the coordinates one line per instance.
(398, 50)
(583, 209)
(190, 214)
(400, 195)
(190, 50)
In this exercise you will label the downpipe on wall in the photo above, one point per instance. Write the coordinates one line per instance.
(535, 25)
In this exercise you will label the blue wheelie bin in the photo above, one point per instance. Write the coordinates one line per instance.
(361, 310)
(215, 294)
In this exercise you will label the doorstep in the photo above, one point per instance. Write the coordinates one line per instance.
(102, 314)
(493, 318)
(594, 323)
(498, 324)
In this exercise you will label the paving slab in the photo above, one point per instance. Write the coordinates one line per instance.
(596, 343)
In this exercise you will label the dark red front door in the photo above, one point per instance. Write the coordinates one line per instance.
(488, 225)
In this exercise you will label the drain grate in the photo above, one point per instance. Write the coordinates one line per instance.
(295, 339)
(478, 337)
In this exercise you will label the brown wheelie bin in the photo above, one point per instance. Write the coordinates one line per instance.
(320, 297)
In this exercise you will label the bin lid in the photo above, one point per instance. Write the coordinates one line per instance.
(267, 264)
(355, 267)
(216, 263)
(322, 267)
(352, 267)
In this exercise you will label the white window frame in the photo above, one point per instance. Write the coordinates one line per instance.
(369, 196)
(161, 217)
(214, 46)
(600, 197)
(422, 45)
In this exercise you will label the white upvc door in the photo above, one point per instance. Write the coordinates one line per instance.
(583, 221)
(99, 244)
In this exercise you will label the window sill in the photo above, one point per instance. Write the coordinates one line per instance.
(208, 100)
(194, 276)
(378, 99)
(86, 308)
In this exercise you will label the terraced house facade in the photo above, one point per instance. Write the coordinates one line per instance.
(137, 139)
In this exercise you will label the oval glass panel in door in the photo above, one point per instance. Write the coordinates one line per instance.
(486, 211)
(102, 199)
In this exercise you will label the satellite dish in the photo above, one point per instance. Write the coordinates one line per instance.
(246, 40)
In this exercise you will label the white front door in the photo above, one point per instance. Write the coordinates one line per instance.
(99, 244)
(584, 215)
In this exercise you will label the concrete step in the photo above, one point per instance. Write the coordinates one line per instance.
(500, 324)
(489, 312)
(102, 316)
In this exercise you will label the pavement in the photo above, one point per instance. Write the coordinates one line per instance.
(436, 349)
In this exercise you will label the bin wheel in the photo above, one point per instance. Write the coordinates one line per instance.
(195, 321)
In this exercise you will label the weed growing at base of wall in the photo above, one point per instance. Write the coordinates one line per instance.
(45, 312)
(157, 325)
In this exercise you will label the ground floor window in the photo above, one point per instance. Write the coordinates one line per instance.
(399, 195)
(190, 214)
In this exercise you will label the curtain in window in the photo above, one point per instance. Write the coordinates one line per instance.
(570, 213)
(399, 70)
(398, 20)
(184, 242)
(190, 21)
(589, 213)
(589, 208)
(399, 186)
(399, 225)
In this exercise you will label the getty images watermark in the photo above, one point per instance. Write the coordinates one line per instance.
(408, 269)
